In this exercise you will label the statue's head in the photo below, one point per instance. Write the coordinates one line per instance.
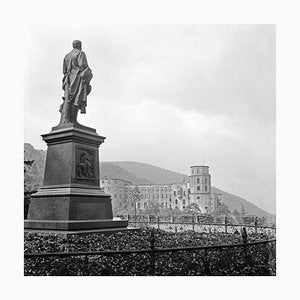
(77, 44)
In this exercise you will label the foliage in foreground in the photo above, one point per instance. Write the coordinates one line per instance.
(256, 260)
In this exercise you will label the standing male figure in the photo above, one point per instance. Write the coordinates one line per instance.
(75, 83)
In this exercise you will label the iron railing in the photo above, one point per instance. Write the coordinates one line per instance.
(203, 219)
(202, 227)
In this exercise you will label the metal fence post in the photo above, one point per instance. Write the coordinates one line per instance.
(157, 222)
(226, 222)
(255, 224)
(245, 241)
(244, 235)
(152, 253)
(86, 263)
(206, 263)
(193, 224)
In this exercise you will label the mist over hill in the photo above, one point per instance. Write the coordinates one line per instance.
(137, 173)
(235, 202)
(113, 170)
(152, 174)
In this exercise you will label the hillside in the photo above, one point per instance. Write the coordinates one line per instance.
(112, 170)
(151, 173)
(137, 173)
(235, 202)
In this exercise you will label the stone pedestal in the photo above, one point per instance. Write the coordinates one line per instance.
(71, 198)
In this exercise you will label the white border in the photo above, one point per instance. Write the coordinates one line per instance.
(284, 14)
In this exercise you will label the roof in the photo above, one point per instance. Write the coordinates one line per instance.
(199, 166)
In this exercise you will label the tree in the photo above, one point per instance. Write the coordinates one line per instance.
(236, 213)
(243, 212)
(133, 197)
(221, 210)
(165, 211)
(192, 208)
(27, 165)
(152, 208)
(176, 211)
(27, 190)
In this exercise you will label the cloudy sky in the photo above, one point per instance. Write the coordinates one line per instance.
(166, 94)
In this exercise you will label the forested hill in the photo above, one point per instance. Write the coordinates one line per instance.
(113, 170)
(146, 172)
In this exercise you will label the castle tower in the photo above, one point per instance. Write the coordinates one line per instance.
(200, 187)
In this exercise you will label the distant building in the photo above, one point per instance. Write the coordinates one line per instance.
(164, 196)
(117, 188)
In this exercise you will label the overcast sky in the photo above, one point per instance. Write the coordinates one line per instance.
(166, 94)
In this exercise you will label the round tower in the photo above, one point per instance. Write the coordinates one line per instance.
(200, 187)
(200, 180)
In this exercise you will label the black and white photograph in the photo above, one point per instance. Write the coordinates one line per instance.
(150, 149)
(153, 153)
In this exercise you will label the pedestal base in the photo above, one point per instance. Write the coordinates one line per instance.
(63, 233)
(70, 204)
(67, 228)
(71, 209)
(74, 225)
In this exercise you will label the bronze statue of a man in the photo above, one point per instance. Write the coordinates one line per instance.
(75, 83)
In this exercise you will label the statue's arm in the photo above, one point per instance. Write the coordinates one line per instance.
(65, 70)
(82, 60)
(64, 67)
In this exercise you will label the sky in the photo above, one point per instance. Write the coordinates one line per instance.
(167, 95)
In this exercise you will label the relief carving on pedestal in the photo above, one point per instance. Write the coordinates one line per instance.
(85, 168)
